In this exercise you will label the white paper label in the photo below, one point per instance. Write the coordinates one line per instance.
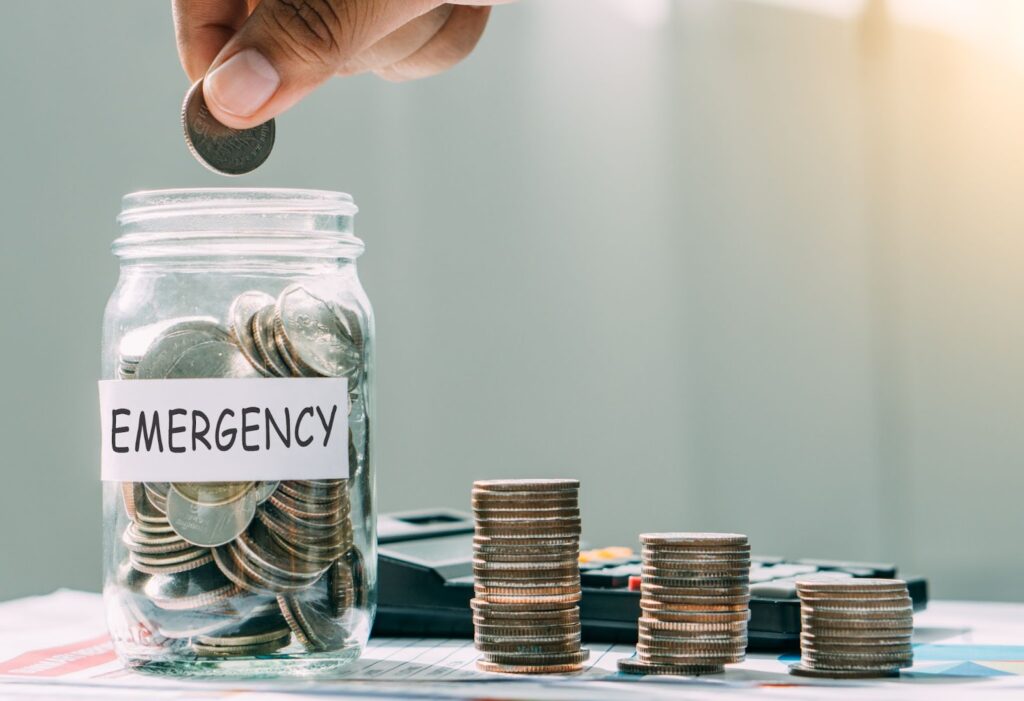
(224, 430)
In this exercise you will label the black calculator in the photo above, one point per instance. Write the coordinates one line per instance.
(426, 582)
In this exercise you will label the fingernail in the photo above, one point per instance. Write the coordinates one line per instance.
(242, 84)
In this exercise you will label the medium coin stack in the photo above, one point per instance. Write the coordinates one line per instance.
(242, 568)
(526, 572)
(854, 628)
(694, 603)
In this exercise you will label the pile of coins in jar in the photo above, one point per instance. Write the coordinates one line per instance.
(239, 569)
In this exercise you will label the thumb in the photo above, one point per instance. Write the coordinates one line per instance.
(286, 48)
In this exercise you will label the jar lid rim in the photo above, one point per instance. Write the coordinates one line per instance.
(146, 204)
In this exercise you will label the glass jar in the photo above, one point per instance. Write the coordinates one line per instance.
(239, 519)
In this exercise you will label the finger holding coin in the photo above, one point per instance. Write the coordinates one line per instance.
(218, 147)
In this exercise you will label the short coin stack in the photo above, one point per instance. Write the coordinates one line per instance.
(854, 628)
(694, 603)
(526, 576)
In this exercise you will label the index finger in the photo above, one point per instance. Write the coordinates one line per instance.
(202, 28)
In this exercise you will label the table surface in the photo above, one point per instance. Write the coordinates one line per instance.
(56, 645)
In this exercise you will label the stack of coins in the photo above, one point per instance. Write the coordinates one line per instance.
(854, 628)
(526, 574)
(241, 568)
(694, 602)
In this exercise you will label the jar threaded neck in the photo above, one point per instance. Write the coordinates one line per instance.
(237, 221)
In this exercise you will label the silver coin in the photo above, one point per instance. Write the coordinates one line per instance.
(276, 582)
(300, 537)
(264, 490)
(168, 348)
(263, 335)
(255, 576)
(200, 588)
(212, 359)
(308, 509)
(157, 488)
(132, 495)
(322, 555)
(260, 650)
(211, 493)
(210, 525)
(240, 315)
(341, 586)
(153, 528)
(351, 319)
(146, 513)
(315, 336)
(156, 492)
(309, 615)
(258, 546)
(297, 368)
(220, 148)
(304, 490)
(188, 561)
(135, 343)
(147, 544)
(251, 631)
(802, 670)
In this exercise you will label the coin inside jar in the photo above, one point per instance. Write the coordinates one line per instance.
(211, 492)
(168, 348)
(210, 525)
(212, 359)
(241, 314)
(314, 335)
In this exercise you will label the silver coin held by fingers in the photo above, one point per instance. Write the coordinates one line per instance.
(220, 148)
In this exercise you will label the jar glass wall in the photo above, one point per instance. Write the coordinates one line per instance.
(239, 518)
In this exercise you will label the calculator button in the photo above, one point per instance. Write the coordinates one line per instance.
(878, 569)
(776, 589)
(788, 570)
(855, 571)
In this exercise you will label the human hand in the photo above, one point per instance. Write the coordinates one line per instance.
(260, 57)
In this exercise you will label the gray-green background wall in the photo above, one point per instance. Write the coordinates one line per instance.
(737, 266)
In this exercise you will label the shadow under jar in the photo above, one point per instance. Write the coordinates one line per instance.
(236, 408)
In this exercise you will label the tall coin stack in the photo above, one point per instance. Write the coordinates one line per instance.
(854, 628)
(526, 576)
(694, 603)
